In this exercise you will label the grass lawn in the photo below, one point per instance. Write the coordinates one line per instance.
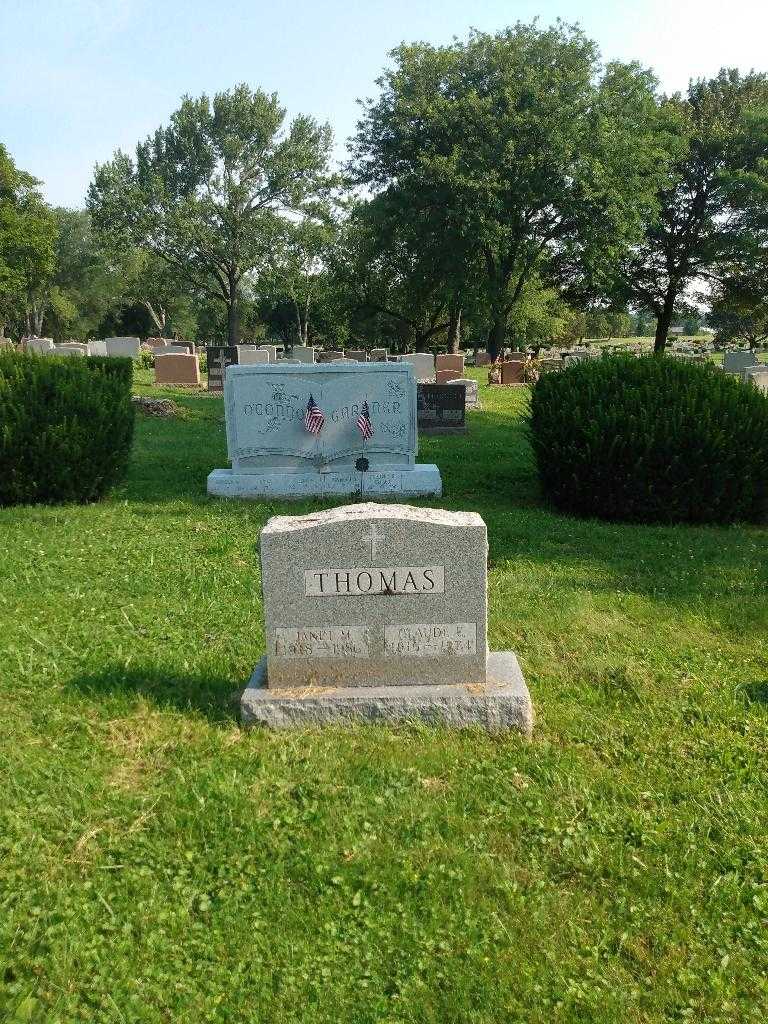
(157, 864)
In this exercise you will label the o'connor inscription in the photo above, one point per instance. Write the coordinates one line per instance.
(426, 579)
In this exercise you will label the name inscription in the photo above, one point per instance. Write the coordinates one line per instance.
(431, 640)
(409, 579)
(321, 642)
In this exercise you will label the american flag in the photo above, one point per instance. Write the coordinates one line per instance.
(313, 417)
(364, 424)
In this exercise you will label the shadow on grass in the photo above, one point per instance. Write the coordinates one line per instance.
(210, 696)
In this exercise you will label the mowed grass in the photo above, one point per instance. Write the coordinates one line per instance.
(159, 864)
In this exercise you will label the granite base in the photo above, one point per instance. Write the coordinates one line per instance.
(501, 704)
(420, 481)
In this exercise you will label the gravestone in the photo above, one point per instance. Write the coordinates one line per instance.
(272, 350)
(329, 355)
(303, 353)
(757, 375)
(378, 355)
(39, 345)
(358, 354)
(735, 362)
(6, 343)
(450, 361)
(274, 454)
(445, 376)
(470, 390)
(512, 371)
(218, 358)
(182, 346)
(441, 409)
(423, 364)
(379, 612)
(483, 359)
(97, 348)
(177, 368)
(70, 350)
(126, 347)
(249, 356)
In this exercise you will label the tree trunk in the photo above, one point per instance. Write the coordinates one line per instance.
(454, 330)
(306, 321)
(498, 334)
(233, 318)
(299, 329)
(663, 321)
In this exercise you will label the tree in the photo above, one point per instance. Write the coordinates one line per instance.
(389, 278)
(298, 274)
(718, 136)
(85, 285)
(522, 161)
(27, 240)
(740, 309)
(208, 194)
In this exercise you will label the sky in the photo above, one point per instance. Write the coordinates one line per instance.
(81, 78)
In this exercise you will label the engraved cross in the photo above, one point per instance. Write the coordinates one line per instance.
(373, 537)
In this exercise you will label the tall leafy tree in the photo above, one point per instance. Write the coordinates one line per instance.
(740, 308)
(392, 285)
(299, 270)
(27, 248)
(207, 194)
(522, 158)
(711, 194)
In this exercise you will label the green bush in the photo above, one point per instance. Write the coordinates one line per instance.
(651, 440)
(66, 427)
(118, 366)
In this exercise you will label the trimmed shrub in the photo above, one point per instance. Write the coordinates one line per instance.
(66, 427)
(651, 440)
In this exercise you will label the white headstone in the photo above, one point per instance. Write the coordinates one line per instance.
(39, 345)
(248, 356)
(97, 348)
(303, 353)
(471, 389)
(126, 347)
(274, 455)
(735, 362)
(758, 376)
(423, 364)
(69, 349)
(272, 350)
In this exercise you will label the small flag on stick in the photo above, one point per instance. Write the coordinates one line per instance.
(364, 424)
(313, 417)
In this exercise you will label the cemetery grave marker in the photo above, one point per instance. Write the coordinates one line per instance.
(441, 408)
(218, 358)
(177, 368)
(379, 612)
(361, 440)
(126, 347)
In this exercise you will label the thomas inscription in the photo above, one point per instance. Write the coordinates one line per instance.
(426, 579)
